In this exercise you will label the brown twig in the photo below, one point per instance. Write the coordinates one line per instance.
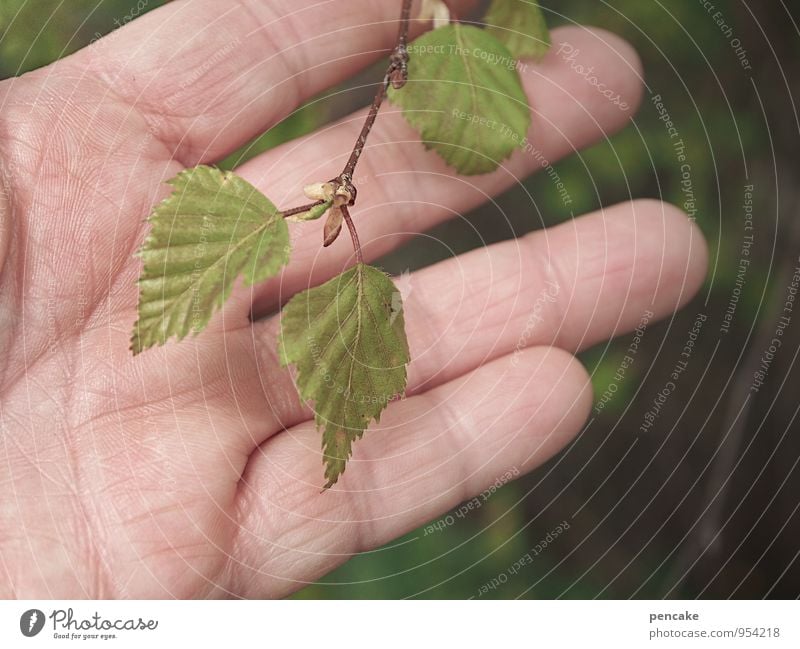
(396, 76)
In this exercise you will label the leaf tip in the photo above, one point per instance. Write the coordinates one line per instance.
(136, 347)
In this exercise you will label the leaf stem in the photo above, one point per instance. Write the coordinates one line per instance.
(353, 234)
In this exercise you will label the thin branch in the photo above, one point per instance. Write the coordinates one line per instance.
(405, 18)
(358, 149)
(396, 76)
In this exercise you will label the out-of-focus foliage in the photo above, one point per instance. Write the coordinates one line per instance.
(36, 32)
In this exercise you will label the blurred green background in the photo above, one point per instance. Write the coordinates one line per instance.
(706, 502)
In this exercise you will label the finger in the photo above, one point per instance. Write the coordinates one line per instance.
(429, 453)
(210, 75)
(571, 286)
(405, 189)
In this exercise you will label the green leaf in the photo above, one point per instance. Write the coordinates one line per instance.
(520, 26)
(214, 227)
(465, 97)
(347, 340)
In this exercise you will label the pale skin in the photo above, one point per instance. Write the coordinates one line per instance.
(193, 470)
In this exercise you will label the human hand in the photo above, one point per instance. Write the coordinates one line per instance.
(193, 470)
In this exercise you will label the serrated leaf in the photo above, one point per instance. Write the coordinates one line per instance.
(347, 340)
(465, 97)
(214, 227)
(520, 26)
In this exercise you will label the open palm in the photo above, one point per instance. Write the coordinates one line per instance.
(193, 470)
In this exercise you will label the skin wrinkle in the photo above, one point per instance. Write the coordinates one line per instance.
(47, 156)
(91, 536)
(334, 554)
(151, 515)
(48, 529)
(292, 34)
(258, 532)
(285, 39)
(281, 393)
(6, 220)
(425, 342)
(549, 268)
(91, 64)
(457, 326)
(86, 534)
(215, 386)
(189, 153)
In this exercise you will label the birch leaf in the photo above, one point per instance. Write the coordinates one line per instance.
(347, 341)
(465, 98)
(214, 227)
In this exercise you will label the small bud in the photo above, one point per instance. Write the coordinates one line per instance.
(319, 191)
(333, 226)
(344, 195)
(398, 73)
(398, 78)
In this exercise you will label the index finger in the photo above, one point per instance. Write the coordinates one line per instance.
(209, 76)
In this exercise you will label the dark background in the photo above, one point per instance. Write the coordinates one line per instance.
(704, 503)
